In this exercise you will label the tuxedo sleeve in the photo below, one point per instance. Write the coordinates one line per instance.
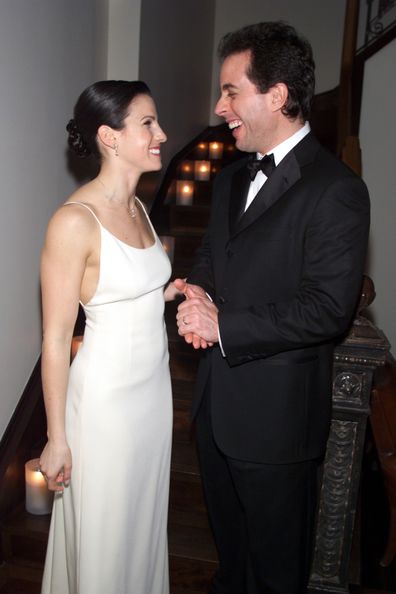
(322, 307)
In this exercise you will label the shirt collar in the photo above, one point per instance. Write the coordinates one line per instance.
(280, 151)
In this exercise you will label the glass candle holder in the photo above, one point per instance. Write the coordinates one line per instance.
(201, 150)
(202, 170)
(215, 150)
(184, 193)
(38, 498)
(186, 170)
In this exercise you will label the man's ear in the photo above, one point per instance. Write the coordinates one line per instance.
(279, 95)
(107, 136)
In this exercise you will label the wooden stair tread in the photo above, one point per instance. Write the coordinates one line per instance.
(22, 522)
(189, 576)
(191, 543)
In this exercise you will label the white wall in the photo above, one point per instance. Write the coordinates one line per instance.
(123, 39)
(321, 22)
(176, 62)
(47, 57)
(377, 137)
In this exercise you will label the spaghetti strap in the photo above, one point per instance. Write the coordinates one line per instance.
(87, 207)
(147, 217)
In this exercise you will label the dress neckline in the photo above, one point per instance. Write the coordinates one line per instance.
(115, 236)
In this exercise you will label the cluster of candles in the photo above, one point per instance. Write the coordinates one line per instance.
(198, 170)
(214, 150)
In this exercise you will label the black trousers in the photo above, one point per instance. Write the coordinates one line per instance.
(262, 517)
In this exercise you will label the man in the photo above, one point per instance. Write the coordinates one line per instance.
(282, 262)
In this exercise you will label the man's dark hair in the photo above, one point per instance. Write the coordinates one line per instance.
(278, 54)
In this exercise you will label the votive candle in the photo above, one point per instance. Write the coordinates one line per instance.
(38, 497)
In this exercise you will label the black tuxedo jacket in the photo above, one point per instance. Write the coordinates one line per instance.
(285, 276)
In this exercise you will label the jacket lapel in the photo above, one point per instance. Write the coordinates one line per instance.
(287, 173)
(239, 189)
(284, 176)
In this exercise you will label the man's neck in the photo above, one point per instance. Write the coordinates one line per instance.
(280, 149)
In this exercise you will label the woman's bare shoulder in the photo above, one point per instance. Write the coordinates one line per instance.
(75, 215)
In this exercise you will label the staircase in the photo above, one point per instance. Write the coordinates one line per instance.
(192, 554)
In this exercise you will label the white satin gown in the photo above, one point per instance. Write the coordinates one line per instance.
(108, 530)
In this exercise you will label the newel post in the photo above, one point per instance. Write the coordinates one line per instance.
(355, 360)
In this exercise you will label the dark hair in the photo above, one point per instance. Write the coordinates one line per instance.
(278, 54)
(103, 102)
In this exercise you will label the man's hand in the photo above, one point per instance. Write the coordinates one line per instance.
(200, 317)
(190, 292)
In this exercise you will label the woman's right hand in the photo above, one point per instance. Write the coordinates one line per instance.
(56, 465)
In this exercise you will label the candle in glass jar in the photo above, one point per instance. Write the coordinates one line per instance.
(202, 170)
(187, 170)
(201, 150)
(38, 497)
(215, 150)
(184, 193)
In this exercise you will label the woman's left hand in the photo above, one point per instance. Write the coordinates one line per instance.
(171, 292)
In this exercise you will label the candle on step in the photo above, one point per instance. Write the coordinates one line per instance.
(38, 497)
(184, 193)
(187, 170)
(215, 150)
(201, 150)
(202, 170)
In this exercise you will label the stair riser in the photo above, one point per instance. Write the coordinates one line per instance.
(186, 247)
(24, 546)
(188, 217)
(183, 367)
(23, 572)
(182, 428)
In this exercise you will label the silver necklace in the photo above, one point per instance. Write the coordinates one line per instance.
(131, 210)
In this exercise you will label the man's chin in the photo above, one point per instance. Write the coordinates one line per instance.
(243, 146)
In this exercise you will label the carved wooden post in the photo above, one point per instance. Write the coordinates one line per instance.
(355, 360)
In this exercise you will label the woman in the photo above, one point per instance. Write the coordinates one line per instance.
(109, 417)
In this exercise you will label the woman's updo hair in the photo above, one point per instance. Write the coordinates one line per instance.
(102, 103)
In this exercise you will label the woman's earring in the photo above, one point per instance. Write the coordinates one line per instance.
(115, 147)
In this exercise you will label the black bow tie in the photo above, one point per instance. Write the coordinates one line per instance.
(266, 165)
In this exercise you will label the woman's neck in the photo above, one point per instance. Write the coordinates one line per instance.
(118, 189)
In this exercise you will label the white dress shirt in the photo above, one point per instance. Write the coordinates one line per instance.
(279, 153)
